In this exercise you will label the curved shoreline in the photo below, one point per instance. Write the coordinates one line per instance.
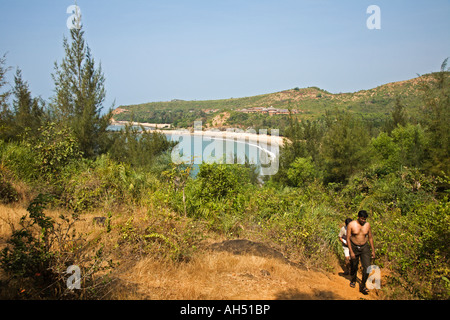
(214, 133)
(228, 135)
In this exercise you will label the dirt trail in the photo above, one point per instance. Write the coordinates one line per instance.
(239, 270)
(312, 285)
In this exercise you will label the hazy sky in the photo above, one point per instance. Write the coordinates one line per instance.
(216, 49)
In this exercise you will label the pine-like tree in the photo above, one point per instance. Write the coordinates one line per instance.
(5, 113)
(344, 147)
(436, 97)
(80, 94)
(398, 114)
(28, 111)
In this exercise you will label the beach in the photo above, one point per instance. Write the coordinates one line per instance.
(231, 134)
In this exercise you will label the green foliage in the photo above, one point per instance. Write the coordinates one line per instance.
(55, 147)
(345, 147)
(218, 195)
(26, 114)
(301, 221)
(138, 147)
(399, 117)
(405, 146)
(20, 160)
(308, 234)
(28, 111)
(30, 253)
(416, 246)
(91, 184)
(304, 142)
(176, 240)
(218, 181)
(258, 121)
(302, 171)
(436, 99)
(5, 113)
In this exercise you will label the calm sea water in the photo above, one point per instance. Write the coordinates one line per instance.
(197, 149)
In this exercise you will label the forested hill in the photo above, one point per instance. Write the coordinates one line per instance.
(310, 103)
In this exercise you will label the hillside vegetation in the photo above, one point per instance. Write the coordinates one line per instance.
(312, 103)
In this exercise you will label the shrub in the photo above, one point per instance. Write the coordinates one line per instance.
(219, 194)
(301, 171)
(416, 248)
(219, 181)
(308, 234)
(404, 147)
(20, 160)
(54, 148)
(40, 251)
(89, 184)
(7, 192)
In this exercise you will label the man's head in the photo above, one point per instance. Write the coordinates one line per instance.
(347, 221)
(362, 217)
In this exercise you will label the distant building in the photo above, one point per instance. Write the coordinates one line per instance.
(270, 110)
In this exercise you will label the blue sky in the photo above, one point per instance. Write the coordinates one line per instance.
(217, 49)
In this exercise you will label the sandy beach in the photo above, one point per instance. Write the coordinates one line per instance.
(213, 133)
(230, 135)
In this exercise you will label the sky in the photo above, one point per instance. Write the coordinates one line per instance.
(159, 50)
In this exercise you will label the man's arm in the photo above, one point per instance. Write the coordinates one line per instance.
(371, 242)
(349, 232)
(341, 237)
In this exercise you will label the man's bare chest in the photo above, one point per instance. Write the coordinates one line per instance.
(359, 230)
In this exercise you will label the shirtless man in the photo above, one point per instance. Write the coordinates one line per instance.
(358, 236)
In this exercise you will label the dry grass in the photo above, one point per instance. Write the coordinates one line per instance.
(9, 220)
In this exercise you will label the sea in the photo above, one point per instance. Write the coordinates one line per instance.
(231, 148)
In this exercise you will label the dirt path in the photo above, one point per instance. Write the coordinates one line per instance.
(239, 270)
(296, 282)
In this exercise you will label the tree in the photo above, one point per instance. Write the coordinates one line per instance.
(398, 114)
(295, 147)
(54, 148)
(80, 94)
(219, 181)
(302, 171)
(403, 147)
(138, 147)
(344, 147)
(436, 98)
(5, 113)
(28, 111)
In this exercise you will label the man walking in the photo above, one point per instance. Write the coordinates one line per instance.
(359, 236)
